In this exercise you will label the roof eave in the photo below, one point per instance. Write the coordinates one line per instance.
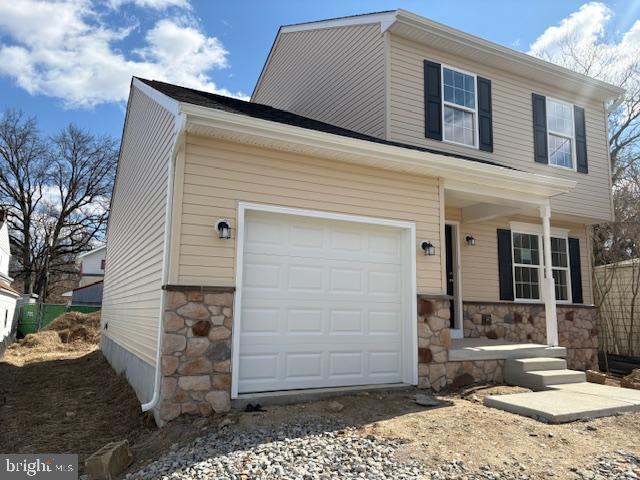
(464, 173)
(607, 91)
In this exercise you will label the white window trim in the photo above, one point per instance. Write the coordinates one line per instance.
(474, 111)
(571, 137)
(532, 229)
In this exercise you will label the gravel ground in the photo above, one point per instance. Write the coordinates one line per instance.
(318, 449)
(326, 449)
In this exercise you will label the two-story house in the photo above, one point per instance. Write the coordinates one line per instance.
(399, 203)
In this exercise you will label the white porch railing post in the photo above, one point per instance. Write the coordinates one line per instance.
(549, 290)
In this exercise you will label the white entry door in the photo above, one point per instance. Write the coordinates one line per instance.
(321, 305)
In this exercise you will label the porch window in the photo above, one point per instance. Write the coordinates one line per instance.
(560, 264)
(459, 107)
(528, 266)
(560, 127)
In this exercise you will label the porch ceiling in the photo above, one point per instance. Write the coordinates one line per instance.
(477, 207)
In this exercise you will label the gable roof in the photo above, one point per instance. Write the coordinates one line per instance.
(456, 42)
(266, 112)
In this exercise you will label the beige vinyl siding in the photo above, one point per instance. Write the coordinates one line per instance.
(336, 75)
(133, 274)
(218, 175)
(512, 125)
(479, 263)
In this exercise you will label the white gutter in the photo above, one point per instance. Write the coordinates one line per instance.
(180, 126)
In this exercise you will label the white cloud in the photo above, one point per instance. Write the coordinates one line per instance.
(75, 58)
(587, 41)
(156, 4)
(586, 26)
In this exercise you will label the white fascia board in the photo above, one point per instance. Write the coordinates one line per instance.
(472, 42)
(459, 174)
(385, 19)
(168, 103)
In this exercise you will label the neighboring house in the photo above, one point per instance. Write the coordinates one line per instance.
(91, 266)
(390, 186)
(617, 287)
(8, 296)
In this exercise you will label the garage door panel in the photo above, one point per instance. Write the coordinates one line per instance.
(304, 321)
(260, 321)
(308, 368)
(321, 304)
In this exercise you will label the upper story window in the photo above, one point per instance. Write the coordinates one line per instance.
(561, 134)
(459, 107)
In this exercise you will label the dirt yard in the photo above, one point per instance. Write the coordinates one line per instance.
(67, 399)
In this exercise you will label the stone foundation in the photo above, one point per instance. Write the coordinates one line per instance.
(526, 323)
(435, 371)
(196, 352)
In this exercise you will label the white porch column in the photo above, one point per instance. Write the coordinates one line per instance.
(549, 291)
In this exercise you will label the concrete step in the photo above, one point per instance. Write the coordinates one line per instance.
(543, 379)
(522, 365)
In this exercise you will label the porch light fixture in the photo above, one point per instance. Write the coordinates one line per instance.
(427, 247)
(223, 228)
(471, 241)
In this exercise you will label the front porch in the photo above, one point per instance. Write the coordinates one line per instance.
(501, 331)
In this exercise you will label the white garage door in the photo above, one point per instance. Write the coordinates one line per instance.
(322, 304)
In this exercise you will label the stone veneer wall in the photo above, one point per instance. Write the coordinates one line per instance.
(577, 330)
(435, 371)
(196, 352)
(196, 347)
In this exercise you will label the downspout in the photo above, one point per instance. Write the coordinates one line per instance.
(180, 124)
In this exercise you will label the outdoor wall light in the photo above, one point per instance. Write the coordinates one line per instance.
(427, 247)
(223, 228)
(471, 241)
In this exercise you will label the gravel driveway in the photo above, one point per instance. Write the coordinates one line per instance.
(324, 448)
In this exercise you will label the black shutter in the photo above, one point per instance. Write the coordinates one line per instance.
(581, 140)
(432, 101)
(539, 103)
(485, 123)
(505, 264)
(576, 272)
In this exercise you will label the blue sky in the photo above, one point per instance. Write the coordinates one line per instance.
(106, 42)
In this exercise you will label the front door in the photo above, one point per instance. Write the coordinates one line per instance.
(448, 232)
(452, 252)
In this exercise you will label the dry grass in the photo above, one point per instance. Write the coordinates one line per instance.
(72, 333)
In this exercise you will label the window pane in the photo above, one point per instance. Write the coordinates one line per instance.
(562, 290)
(559, 118)
(525, 249)
(526, 282)
(459, 88)
(559, 252)
(448, 93)
(560, 151)
(458, 126)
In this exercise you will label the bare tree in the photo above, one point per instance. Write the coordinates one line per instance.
(57, 191)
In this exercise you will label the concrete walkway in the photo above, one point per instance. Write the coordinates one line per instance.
(570, 402)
